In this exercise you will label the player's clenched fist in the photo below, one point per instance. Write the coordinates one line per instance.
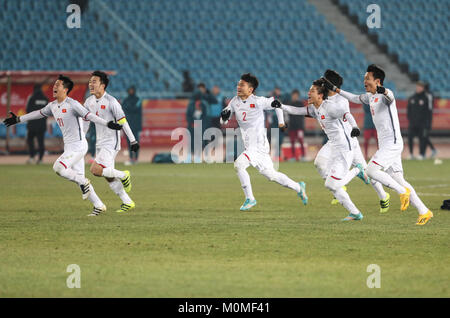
(113, 125)
(276, 103)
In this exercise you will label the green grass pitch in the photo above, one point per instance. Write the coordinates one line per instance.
(187, 237)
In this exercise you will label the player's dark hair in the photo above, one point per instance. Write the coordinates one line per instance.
(103, 77)
(320, 84)
(67, 82)
(377, 72)
(251, 79)
(334, 77)
(295, 91)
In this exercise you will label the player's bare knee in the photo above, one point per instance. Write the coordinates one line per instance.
(96, 170)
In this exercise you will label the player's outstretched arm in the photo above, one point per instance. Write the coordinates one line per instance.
(101, 121)
(20, 119)
(134, 145)
(225, 115)
(303, 111)
(387, 93)
(357, 99)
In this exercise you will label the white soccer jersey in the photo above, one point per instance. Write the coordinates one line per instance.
(250, 117)
(68, 116)
(331, 116)
(384, 115)
(108, 108)
(344, 104)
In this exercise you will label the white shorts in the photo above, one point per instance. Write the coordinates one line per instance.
(358, 157)
(73, 156)
(339, 164)
(106, 157)
(259, 160)
(325, 151)
(389, 158)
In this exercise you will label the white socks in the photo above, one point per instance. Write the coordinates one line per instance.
(378, 187)
(245, 183)
(285, 181)
(110, 172)
(344, 199)
(117, 188)
(383, 177)
(414, 198)
(93, 197)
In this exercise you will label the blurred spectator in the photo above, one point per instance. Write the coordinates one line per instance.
(197, 109)
(188, 84)
(132, 106)
(429, 123)
(36, 128)
(296, 125)
(419, 116)
(216, 108)
(369, 130)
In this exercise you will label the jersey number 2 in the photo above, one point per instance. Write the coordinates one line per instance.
(244, 114)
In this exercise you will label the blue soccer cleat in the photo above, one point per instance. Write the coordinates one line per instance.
(353, 217)
(362, 174)
(302, 193)
(248, 204)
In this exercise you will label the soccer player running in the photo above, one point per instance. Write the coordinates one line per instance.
(249, 112)
(108, 142)
(386, 165)
(68, 114)
(331, 116)
(321, 161)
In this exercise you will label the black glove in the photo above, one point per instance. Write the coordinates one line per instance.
(134, 146)
(381, 90)
(11, 120)
(276, 103)
(355, 132)
(329, 85)
(113, 125)
(225, 114)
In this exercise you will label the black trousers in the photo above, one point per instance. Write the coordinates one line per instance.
(31, 135)
(419, 132)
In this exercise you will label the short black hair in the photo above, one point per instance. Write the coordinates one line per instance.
(320, 84)
(201, 85)
(334, 77)
(251, 79)
(67, 82)
(295, 91)
(103, 77)
(377, 72)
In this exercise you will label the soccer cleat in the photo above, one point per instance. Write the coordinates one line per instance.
(126, 181)
(362, 174)
(85, 189)
(353, 217)
(126, 207)
(97, 211)
(384, 204)
(248, 204)
(302, 193)
(424, 218)
(404, 200)
(336, 201)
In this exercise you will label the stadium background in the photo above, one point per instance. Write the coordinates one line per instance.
(286, 43)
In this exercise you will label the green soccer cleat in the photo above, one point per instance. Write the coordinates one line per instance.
(384, 204)
(302, 193)
(362, 174)
(126, 207)
(353, 217)
(248, 204)
(126, 181)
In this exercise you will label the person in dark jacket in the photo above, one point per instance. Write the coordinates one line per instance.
(429, 123)
(36, 128)
(132, 106)
(296, 125)
(419, 118)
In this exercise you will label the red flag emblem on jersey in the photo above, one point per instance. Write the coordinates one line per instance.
(252, 105)
(103, 106)
(64, 110)
(322, 117)
(376, 100)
